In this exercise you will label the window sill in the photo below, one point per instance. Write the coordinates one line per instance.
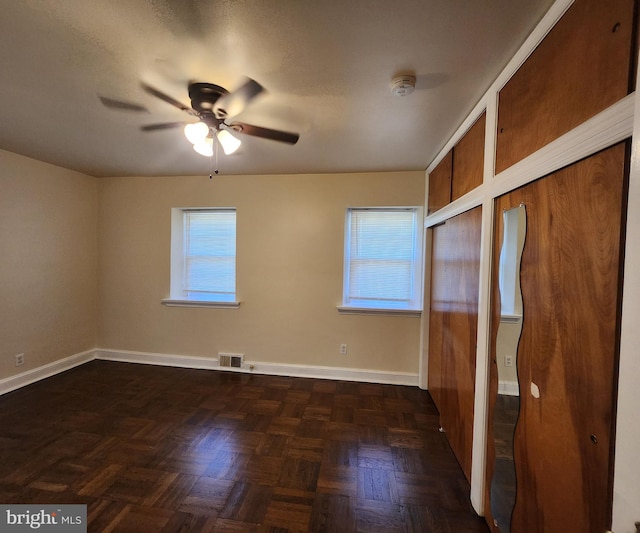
(347, 310)
(196, 303)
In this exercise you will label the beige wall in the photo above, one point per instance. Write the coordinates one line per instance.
(48, 243)
(289, 270)
(507, 344)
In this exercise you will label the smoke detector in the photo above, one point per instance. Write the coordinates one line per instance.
(403, 85)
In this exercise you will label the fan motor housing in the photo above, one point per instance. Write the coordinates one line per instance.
(204, 96)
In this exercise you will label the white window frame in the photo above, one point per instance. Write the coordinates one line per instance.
(179, 297)
(412, 307)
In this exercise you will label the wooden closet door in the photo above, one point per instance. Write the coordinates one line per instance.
(567, 357)
(453, 324)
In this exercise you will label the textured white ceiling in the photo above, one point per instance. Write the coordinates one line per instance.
(326, 64)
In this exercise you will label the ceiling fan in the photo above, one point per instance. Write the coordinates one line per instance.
(213, 106)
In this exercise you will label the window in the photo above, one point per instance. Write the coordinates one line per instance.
(203, 257)
(383, 260)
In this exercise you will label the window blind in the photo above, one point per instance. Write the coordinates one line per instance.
(382, 257)
(209, 255)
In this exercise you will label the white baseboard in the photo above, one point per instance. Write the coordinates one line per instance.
(251, 367)
(36, 374)
(509, 388)
(329, 372)
(159, 359)
(185, 361)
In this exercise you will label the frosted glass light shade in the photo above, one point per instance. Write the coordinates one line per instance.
(229, 143)
(204, 147)
(196, 133)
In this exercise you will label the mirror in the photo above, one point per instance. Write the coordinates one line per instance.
(507, 405)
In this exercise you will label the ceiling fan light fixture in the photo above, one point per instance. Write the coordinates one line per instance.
(204, 147)
(196, 133)
(229, 143)
(210, 105)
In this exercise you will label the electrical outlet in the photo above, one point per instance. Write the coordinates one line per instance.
(508, 360)
(20, 359)
(343, 349)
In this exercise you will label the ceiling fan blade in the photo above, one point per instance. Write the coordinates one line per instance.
(232, 104)
(168, 99)
(265, 133)
(162, 126)
(122, 105)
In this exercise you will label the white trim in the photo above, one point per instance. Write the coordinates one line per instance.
(423, 366)
(483, 342)
(483, 336)
(336, 373)
(348, 310)
(158, 359)
(510, 319)
(42, 372)
(171, 302)
(461, 205)
(508, 388)
(626, 478)
(251, 367)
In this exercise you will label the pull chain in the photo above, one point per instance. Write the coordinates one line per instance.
(214, 165)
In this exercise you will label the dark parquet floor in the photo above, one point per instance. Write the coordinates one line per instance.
(158, 449)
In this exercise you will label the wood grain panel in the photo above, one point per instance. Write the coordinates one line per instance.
(580, 68)
(439, 289)
(570, 277)
(468, 160)
(454, 320)
(440, 184)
